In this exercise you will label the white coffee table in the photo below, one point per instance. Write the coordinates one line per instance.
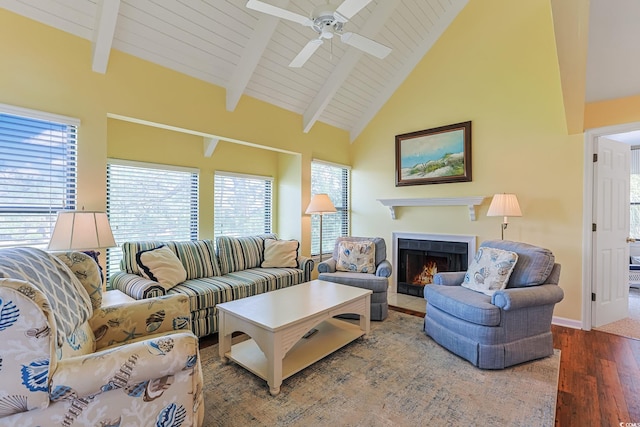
(276, 321)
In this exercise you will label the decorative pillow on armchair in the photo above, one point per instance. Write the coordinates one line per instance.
(357, 257)
(490, 270)
(161, 265)
(280, 253)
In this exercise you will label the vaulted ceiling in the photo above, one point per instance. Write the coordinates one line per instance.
(248, 52)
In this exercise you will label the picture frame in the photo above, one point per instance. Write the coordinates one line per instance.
(434, 156)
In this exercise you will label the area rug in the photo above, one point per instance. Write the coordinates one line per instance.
(630, 326)
(394, 376)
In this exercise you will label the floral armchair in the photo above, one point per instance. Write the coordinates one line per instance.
(65, 360)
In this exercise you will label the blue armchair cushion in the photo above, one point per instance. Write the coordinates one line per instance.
(534, 263)
(473, 307)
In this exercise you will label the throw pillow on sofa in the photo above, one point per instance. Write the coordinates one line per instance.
(280, 253)
(490, 270)
(161, 265)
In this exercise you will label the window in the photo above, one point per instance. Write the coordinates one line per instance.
(241, 204)
(150, 202)
(38, 172)
(332, 179)
(634, 217)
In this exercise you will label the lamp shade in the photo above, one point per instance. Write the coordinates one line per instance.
(320, 204)
(504, 205)
(81, 230)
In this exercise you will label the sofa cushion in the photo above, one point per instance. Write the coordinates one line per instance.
(198, 257)
(357, 257)
(280, 253)
(161, 265)
(534, 263)
(474, 307)
(490, 270)
(240, 253)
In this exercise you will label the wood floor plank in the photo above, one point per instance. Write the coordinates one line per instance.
(599, 378)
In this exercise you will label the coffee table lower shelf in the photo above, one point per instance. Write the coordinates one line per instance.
(332, 334)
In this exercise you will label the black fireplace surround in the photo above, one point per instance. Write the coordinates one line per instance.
(419, 260)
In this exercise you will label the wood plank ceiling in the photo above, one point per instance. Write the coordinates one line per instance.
(246, 52)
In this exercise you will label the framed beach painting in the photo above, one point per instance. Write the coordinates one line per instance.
(434, 156)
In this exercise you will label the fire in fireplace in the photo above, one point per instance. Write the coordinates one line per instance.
(419, 260)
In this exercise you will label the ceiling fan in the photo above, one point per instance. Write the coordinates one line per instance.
(327, 20)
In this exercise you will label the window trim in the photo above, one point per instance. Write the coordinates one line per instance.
(39, 115)
(146, 165)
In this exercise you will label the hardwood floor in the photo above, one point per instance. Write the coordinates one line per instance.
(599, 378)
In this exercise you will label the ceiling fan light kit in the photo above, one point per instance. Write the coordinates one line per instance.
(327, 20)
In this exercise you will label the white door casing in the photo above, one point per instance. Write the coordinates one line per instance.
(610, 282)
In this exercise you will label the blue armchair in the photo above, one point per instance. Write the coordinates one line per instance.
(509, 327)
(376, 279)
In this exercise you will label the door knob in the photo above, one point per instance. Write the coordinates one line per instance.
(630, 240)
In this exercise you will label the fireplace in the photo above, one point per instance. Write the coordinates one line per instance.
(418, 257)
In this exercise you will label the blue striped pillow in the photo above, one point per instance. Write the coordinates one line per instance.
(241, 253)
(198, 257)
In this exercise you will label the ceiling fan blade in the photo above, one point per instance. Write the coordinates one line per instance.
(306, 53)
(348, 8)
(367, 45)
(263, 7)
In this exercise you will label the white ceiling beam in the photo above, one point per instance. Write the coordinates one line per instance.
(405, 70)
(374, 24)
(210, 145)
(106, 18)
(251, 56)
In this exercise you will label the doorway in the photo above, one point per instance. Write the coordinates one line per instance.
(630, 134)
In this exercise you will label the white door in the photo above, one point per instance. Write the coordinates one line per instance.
(611, 218)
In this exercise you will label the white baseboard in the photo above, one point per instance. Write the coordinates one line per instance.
(569, 323)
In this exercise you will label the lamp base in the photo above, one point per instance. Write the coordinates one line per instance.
(502, 228)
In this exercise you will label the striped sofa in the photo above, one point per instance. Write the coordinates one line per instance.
(225, 272)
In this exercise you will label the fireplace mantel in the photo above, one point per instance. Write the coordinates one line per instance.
(470, 202)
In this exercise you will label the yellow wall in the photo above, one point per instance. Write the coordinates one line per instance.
(49, 70)
(496, 66)
(612, 112)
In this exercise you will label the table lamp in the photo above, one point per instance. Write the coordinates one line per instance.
(82, 231)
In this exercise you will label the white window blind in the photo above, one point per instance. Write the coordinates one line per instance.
(37, 172)
(334, 180)
(150, 202)
(241, 204)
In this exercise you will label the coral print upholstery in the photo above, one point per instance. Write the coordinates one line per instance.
(71, 362)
